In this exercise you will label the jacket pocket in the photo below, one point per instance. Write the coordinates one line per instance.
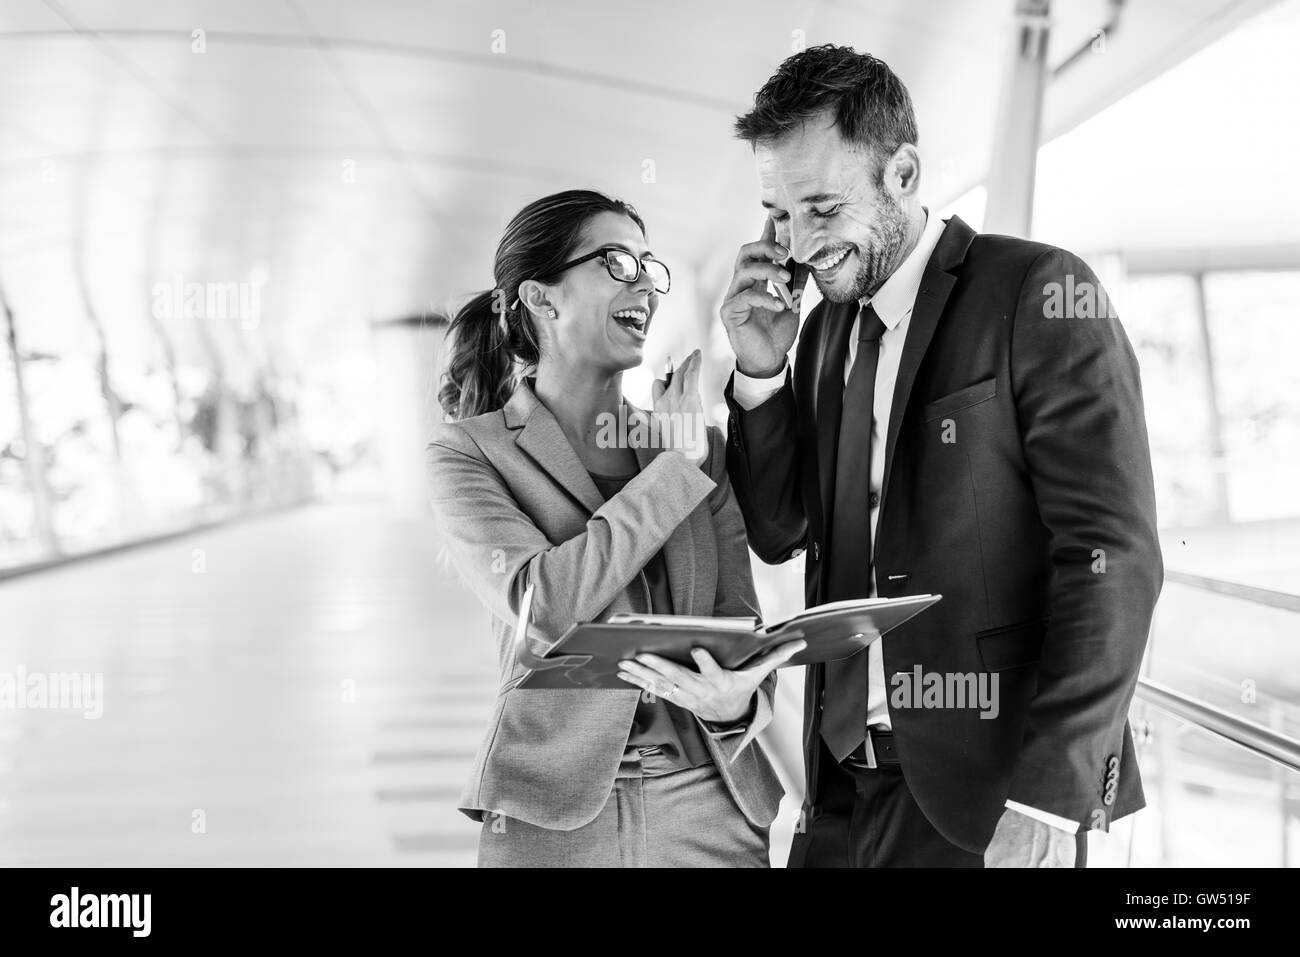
(1011, 646)
(961, 399)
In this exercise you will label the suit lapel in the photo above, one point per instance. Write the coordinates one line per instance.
(542, 439)
(936, 285)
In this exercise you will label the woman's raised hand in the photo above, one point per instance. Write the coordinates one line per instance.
(679, 414)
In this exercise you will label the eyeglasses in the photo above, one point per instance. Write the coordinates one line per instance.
(625, 267)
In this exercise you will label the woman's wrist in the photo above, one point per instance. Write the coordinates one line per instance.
(743, 716)
(694, 462)
(706, 463)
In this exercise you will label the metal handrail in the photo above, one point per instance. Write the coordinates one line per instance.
(1250, 593)
(1256, 738)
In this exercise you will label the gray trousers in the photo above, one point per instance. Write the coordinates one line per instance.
(682, 819)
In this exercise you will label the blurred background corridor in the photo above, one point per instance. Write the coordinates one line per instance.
(229, 236)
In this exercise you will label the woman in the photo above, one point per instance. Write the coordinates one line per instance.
(529, 489)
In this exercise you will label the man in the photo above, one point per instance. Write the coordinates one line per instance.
(964, 418)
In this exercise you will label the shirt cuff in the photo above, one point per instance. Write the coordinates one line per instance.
(750, 392)
(1046, 817)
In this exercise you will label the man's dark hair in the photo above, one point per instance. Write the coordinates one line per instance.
(869, 103)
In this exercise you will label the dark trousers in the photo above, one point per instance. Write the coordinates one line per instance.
(868, 818)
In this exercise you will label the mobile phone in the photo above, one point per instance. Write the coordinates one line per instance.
(786, 291)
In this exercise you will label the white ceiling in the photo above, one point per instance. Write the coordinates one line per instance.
(128, 159)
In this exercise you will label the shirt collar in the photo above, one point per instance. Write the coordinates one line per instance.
(893, 301)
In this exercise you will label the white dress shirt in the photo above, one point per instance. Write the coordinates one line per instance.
(893, 303)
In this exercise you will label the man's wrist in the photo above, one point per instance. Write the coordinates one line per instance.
(1044, 817)
(749, 393)
(762, 373)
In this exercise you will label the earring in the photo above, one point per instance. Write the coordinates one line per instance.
(550, 313)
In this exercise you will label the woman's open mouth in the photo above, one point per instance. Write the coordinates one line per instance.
(634, 321)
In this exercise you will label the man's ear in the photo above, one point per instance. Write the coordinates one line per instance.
(536, 298)
(903, 171)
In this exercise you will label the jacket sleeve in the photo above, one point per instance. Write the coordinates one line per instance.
(499, 551)
(763, 462)
(736, 595)
(1078, 397)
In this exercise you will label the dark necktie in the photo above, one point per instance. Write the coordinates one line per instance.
(844, 714)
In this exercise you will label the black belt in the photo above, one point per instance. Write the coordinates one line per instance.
(876, 751)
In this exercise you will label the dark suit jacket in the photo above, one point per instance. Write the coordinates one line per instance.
(1017, 485)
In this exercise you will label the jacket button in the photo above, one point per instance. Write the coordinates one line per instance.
(1108, 799)
(874, 499)
(817, 552)
(1112, 763)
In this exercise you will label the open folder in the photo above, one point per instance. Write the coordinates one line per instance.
(587, 655)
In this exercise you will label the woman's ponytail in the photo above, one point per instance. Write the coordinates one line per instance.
(479, 371)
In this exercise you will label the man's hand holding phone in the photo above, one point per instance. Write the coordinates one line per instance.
(760, 326)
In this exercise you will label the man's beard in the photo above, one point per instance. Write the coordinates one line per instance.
(877, 260)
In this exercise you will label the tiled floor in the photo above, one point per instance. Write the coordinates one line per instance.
(302, 689)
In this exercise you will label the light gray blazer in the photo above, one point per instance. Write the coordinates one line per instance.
(516, 506)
